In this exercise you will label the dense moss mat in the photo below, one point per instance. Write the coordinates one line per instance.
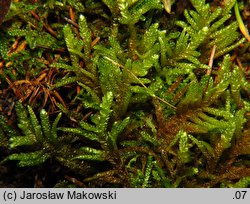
(115, 93)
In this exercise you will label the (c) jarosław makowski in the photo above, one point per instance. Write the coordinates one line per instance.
(70, 195)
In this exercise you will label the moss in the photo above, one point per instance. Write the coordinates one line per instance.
(112, 94)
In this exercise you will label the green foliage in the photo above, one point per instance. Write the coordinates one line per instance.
(242, 183)
(128, 99)
(41, 137)
(99, 131)
(214, 23)
(34, 133)
(132, 11)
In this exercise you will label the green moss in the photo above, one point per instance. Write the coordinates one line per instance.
(105, 90)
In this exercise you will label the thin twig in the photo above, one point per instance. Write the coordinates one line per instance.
(211, 60)
(46, 26)
(71, 22)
